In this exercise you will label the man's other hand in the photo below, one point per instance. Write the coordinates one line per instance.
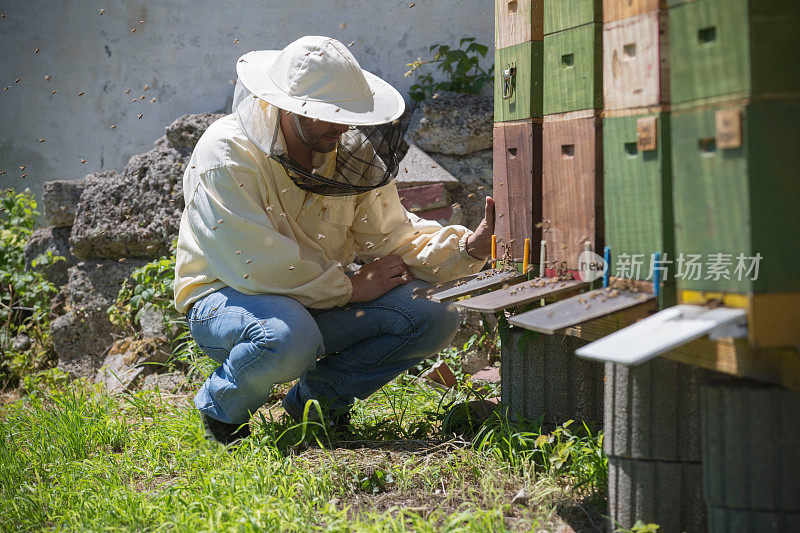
(377, 278)
(479, 244)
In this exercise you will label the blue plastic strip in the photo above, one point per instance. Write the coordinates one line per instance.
(607, 259)
(657, 273)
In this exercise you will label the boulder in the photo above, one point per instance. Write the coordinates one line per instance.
(128, 361)
(136, 213)
(171, 383)
(452, 123)
(418, 168)
(60, 199)
(55, 240)
(83, 334)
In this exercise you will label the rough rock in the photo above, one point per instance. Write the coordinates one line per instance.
(474, 171)
(418, 168)
(151, 322)
(60, 199)
(84, 333)
(452, 123)
(129, 360)
(20, 343)
(55, 240)
(171, 383)
(136, 213)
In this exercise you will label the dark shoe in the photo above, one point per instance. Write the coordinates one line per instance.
(223, 433)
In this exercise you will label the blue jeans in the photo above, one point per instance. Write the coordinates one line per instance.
(339, 354)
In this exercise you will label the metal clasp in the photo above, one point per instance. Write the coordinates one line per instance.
(509, 77)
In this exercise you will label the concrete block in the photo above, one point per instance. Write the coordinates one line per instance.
(418, 168)
(546, 379)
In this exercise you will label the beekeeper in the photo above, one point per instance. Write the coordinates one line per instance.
(279, 196)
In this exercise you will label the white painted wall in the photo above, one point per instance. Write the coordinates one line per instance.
(185, 52)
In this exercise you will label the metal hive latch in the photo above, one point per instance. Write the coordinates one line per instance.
(509, 78)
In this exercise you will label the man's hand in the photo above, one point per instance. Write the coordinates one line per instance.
(377, 278)
(479, 244)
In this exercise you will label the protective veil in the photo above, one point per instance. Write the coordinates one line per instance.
(364, 159)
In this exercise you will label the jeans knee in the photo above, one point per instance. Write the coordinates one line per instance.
(292, 344)
(438, 324)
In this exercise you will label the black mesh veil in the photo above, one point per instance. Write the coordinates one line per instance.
(366, 158)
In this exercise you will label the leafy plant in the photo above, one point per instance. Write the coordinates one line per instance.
(149, 287)
(25, 294)
(461, 67)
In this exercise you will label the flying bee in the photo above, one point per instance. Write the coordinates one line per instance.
(127, 91)
(236, 41)
(248, 261)
(80, 93)
(359, 313)
(139, 116)
(291, 267)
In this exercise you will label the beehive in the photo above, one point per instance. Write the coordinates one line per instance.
(517, 183)
(517, 21)
(560, 15)
(733, 48)
(573, 70)
(636, 62)
(572, 186)
(518, 81)
(638, 189)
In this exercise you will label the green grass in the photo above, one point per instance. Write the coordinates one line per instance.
(73, 457)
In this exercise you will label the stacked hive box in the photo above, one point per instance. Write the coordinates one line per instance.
(572, 198)
(548, 392)
(736, 108)
(518, 123)
(652, 410)
(735, 156)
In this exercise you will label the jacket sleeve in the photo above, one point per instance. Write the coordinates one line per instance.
(237, 236)
(433, 253)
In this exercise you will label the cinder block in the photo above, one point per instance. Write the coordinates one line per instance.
(652, 411)
(544, 378)
(751, 457)
(662, 492)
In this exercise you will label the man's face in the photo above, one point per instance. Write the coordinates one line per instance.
(321, 136)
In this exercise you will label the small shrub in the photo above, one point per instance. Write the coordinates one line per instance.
(25, 294)
(461, 67)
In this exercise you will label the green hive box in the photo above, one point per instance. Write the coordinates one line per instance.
(737, 190)
(735, 48)
(560, 15)
(638, 188)
(573, 70)
(526, 95)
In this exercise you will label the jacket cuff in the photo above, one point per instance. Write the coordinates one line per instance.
(345, 299)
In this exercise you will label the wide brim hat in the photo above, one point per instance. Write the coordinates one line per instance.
(319, 78)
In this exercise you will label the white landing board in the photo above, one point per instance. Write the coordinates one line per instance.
(662, 332)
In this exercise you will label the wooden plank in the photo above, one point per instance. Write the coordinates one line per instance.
(526, 63)
(572, 187)
(638, 192)
(518, 21)
(617, 9)
(484, 281)
(731, 356)
(578, 309)
(660, 333)
(521, 294)
(517, 185)
(573, 70)
(560, 15)
(636, 62)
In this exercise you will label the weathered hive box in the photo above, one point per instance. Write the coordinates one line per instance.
(737, 192)
(517, 21)
(637, 185)
(636, 61)
(573, 70)
(560, 15)
(518, 86)
(734, 48)
(517, 184)
(620, 9)
(572, 187)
